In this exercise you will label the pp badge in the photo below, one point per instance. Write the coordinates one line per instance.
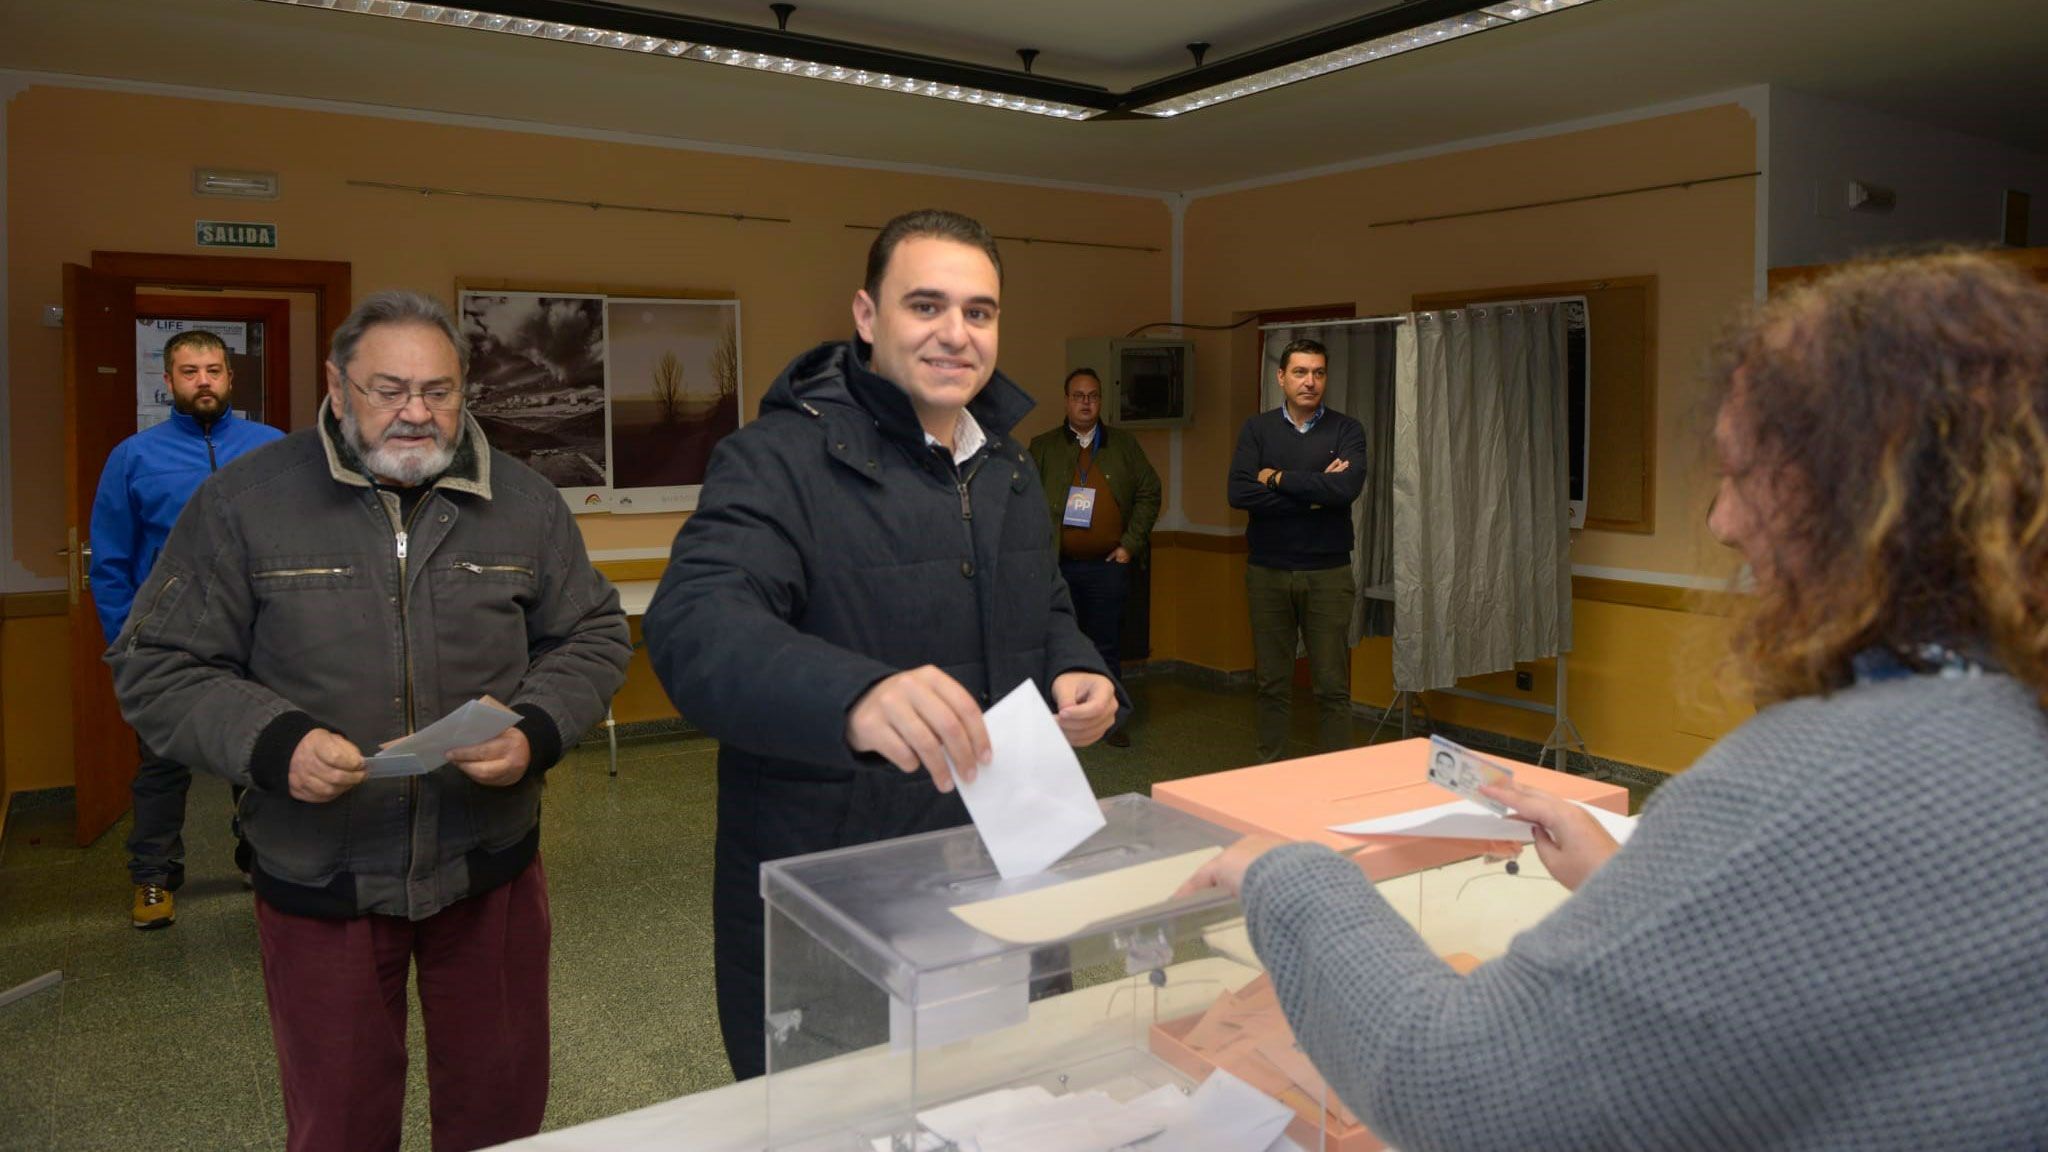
(1080, 507)
(1458, 769)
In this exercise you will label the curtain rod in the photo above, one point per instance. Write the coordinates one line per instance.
(1334, 323)
(1045, 240)
(1580, 297)
(593, 205)
(1567, 200)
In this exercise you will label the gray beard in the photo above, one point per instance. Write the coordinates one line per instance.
(402, 466)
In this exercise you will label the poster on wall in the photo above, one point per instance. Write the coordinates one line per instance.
(152, 395)
(537, 386)
(673, 370)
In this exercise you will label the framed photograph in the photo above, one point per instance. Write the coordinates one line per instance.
(537, 386)
(673, 369)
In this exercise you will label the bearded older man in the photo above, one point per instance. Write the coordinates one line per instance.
(340, 589)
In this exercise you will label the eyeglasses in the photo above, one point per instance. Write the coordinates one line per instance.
(393, 397)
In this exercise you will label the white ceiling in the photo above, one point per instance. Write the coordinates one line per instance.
(1970, 65)
(1116, 45)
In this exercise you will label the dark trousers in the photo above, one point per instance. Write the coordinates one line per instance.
(1314, 608)
(337, 1013)
(1099, 589)
(763, 818)
(156, 845)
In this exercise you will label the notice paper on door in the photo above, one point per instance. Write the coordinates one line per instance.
(1031, 802)
(427, 749)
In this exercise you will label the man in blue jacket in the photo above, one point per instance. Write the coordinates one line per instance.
(146, 482)
(869, 567)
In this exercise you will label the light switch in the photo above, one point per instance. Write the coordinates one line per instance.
(53, 316)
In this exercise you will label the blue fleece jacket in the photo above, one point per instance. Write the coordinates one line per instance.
(147, 480)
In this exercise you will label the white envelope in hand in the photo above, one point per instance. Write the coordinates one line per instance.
(1031, 802)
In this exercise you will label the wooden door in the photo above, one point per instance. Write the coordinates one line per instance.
(99, 413)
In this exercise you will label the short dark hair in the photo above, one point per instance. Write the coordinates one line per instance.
(1088, 372)
(199, 340)
(933, 222)
(1306, 347)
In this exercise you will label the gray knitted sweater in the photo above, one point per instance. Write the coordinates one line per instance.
(1831, 932)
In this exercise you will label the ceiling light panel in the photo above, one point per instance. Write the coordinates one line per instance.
(456, 17)
(1437, 32)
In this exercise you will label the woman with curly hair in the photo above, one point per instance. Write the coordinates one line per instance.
(1832, 931)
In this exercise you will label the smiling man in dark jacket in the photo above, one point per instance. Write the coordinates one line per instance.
(867, 571)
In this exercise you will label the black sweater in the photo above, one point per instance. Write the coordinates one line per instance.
(1305, 523)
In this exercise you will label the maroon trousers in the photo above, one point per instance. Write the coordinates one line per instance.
(337, 1012)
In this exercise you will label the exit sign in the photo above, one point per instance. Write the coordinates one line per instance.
(233, 234)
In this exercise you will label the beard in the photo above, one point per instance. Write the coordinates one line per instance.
(200, 406)
(406, 467)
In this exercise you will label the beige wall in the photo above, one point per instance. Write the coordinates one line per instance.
(101, 170)
(35, 703)
(1638, 673)
(111, 171)
(1307, 243)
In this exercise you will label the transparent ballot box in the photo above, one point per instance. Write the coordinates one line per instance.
(910, 989)
(1468, 910)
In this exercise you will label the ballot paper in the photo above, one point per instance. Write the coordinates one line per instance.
(1227, 1115)
(1031, 802)
(1223, 1115)
(427, 749)
(1464, 820)
(1065, 910)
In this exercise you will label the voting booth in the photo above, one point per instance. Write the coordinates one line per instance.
(914, 996)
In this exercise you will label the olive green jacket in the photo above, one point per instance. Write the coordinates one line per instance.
(1130, 479)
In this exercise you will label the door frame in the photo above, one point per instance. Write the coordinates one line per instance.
(328, 280)
(273, 312)
(109, 750)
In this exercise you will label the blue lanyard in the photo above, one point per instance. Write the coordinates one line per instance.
(1087, 460)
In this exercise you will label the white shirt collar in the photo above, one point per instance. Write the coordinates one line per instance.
(1084, 439)
(967, 438)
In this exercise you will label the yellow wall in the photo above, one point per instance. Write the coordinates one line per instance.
(108, 170)
(1307, 243)
(98, 170)
(103, 170)
(35, 703)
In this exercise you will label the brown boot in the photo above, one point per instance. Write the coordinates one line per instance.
(153, 907)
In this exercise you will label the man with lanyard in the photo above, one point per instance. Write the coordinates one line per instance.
(1099, 539)
(1297, 470)
(145, 484)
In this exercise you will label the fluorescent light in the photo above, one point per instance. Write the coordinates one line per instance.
(251, 185)
(707, 53)
(1450, 28)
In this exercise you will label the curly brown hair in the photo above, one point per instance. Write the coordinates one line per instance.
(1897, 413)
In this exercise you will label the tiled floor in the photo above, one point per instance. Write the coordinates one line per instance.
(160, 1040)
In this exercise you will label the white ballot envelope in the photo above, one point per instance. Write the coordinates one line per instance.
(427, 749)
(1464, 820)
(1031, 802)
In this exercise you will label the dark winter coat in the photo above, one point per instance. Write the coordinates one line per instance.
(833, 548)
